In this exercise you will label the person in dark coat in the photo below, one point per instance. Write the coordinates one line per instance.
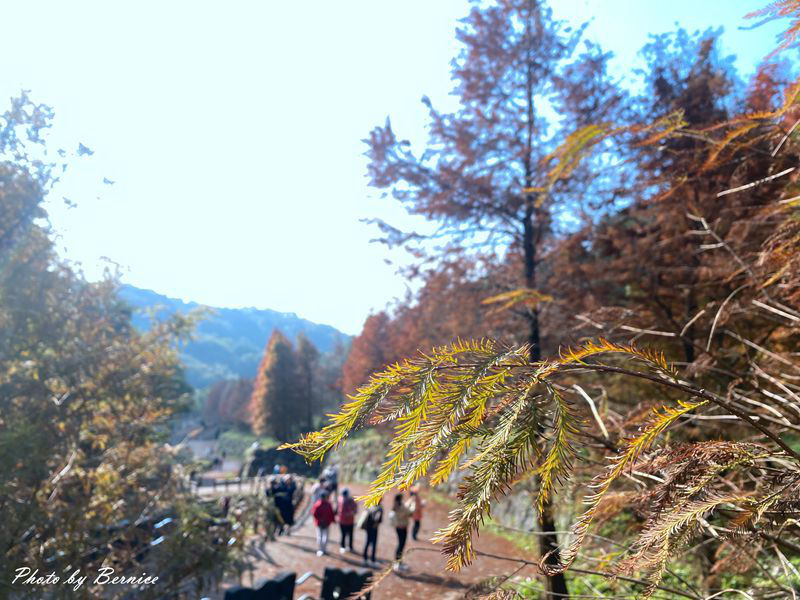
(283, 502)
(369, 522)
(273, 516)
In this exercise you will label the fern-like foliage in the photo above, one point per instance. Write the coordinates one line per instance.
(557, 464)
(782, 9)
(521, 296)
(688, 495)
(568, 156)
(663, 535)
(502, 457)
(782, 495)
(633, 447)
(484, 408)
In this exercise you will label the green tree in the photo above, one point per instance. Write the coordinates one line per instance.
(84, 402)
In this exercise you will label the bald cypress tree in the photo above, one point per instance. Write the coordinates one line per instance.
(481, 406)
(274, 406)
(371, 350)
(308, 364)
(481, 177)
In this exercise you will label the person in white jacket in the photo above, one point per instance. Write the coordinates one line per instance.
(399, 518)
(415, 504)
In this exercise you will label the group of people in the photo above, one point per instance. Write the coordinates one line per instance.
(329, 507)
(343, 510)
(286, 495)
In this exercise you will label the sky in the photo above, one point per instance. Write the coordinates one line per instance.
(232, 132)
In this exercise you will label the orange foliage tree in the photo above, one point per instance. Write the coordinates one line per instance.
(701, 263)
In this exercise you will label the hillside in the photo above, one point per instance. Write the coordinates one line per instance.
(229, 342)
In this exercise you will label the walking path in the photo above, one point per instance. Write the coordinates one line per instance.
(427, 577)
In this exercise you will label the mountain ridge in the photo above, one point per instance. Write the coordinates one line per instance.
(229, 342)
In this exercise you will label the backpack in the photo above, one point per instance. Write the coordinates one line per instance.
(370, 518)
(349, 508)
(331, 474)
(364, 520)
(399, 516)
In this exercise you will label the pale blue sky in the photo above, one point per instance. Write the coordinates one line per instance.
(232, 131)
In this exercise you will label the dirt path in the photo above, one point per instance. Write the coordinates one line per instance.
(427, 577)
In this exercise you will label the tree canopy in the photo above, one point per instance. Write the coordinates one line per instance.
(649, 364)
(85, 400)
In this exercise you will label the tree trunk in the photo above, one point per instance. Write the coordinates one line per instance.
(555, 585)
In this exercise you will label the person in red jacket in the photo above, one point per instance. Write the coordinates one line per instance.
(323, 517)
(346, 516)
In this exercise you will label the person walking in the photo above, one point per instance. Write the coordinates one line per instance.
(320, 487)
(331, 475)
(346, 515)
(399, 518)
(295, 494)
(323, 517)
(415, 504)
(283, 502)
(273, 523)
(369, 521)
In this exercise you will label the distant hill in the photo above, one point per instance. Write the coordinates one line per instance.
(229, 343)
